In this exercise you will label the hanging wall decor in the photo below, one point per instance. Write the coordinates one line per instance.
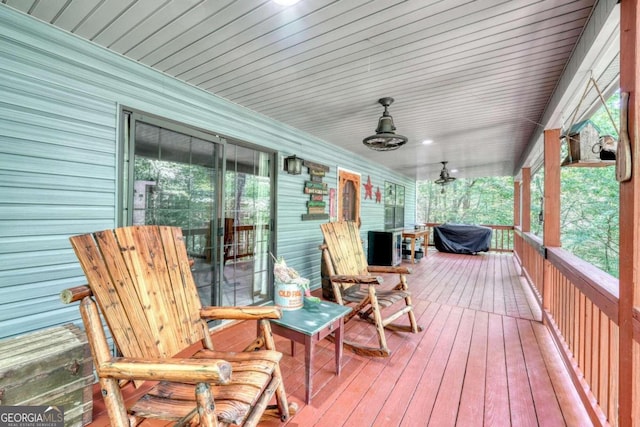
(332, 204)
(623, 154)
(316, 189)
(378, 195)
(368, 189)
(585, 145)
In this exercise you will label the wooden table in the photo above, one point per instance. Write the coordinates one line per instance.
(308, 326)
(414, 235)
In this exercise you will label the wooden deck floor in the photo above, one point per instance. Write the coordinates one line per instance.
(483, 358)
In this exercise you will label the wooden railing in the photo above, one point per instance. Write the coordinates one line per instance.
(197, 241)
(502, 236)
(530, 253)
(239, 241)
(580, 306)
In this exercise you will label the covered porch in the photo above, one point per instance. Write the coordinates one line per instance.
(531, 336)
(484, 358)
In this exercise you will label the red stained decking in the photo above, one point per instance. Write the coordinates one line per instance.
(484, 358)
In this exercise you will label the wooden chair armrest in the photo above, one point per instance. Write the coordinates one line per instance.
(176, 370)
(240, 313)
(361, 279)
(70, 295)
(388, 269)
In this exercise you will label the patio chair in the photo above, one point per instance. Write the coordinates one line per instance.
(141, 279)
(354, 285)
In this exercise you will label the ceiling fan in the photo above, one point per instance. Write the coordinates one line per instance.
(445, 178)
(385, 138)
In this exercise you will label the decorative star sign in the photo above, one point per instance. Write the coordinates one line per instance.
(378, 195)
(368, 187)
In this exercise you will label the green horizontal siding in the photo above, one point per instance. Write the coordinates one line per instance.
(59, 103)
(57, 179)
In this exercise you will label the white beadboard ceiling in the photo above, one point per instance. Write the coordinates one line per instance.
(473, 76)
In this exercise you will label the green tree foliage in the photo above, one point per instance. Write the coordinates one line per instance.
(589, 202)
(183, 194)
(589, 215)
(602, 119)
(467, 201)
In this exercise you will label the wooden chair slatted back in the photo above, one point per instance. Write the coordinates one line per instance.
(141, 279)
(345, 247)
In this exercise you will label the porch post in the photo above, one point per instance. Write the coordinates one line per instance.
(525, 212)
(516, 203)
(551, 211)
(551, 225)
(629, 380)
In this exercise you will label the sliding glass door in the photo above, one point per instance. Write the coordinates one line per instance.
(218, 192)
(248, 218)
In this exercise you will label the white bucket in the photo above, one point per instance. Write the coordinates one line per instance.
(288, 296)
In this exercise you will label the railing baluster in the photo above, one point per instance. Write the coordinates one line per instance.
(583, 311)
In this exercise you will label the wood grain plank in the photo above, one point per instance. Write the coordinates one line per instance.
(397, 403)
(499, 290)
(503, 357)
(565, 392)
(497, 399)
(461, 284)
(510, 297)
(595, 349)
(106, 271)
(546, 405)
(352, 389)
(520, 398)
(472, 400)
(445, 408)
(581, 330)
(183, 291)
(466, 295)
(146, 265)
(421, 404)
(479, 288)
(489, 286)
(602, 394)
(614, 369)
(389, 382)
(588, 338)
(441, 277)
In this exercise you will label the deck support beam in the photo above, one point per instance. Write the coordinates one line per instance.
(516, 203)
(629, 379)
(525, 212)
(551, 225)
(551, 206)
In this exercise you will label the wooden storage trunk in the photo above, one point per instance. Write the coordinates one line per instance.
(50, 367)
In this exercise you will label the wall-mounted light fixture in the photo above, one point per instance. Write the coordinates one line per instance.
(293, 165)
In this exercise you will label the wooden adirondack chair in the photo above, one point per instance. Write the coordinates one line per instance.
(141, 280)
(354, 284)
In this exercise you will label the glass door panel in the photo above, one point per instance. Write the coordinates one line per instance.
(247, 226)
(174, 174)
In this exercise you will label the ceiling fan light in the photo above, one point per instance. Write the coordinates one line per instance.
(385, 138)
(445, 178)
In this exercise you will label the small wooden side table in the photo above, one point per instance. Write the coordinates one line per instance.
(307, 326)
(415, 235)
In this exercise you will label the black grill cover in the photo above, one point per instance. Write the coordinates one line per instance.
(461, 238)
